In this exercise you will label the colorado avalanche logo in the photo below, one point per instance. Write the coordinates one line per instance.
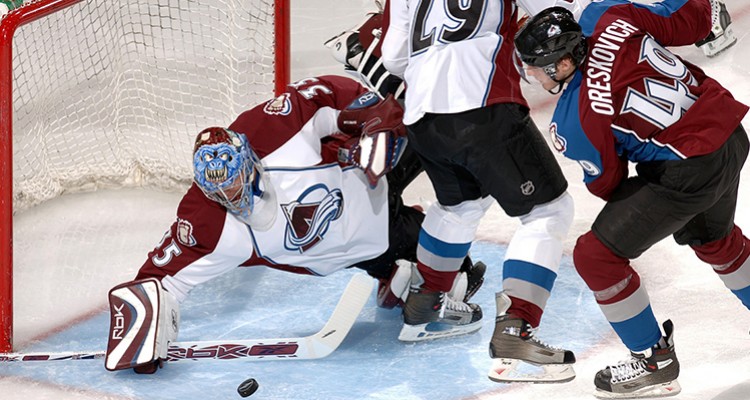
(309, 217)
(185, 233)
(558, 142)
(279, 106)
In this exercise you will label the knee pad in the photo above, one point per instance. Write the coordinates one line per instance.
(553, 218)
(597, 265)
(458, 223)
(539, 238)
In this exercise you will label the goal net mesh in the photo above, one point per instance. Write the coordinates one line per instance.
(112, 93)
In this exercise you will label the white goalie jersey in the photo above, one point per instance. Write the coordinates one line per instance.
(324, 217)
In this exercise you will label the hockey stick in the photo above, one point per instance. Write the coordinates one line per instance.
(317, 345)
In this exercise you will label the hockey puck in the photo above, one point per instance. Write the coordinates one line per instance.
(247, 387)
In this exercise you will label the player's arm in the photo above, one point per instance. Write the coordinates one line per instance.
(396, 37)
(589, 141)
(674, 22)
(201, 244)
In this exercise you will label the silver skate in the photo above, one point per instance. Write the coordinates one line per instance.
(432, 315)
(517, 356)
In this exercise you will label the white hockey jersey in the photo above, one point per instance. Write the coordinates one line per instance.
(454, 56)
(326, 216)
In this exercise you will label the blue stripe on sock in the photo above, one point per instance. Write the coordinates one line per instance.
(640, 332)
(743, 295)
(441, 248)
(529, 272)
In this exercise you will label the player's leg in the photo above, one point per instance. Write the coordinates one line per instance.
(445, 236)
(712, 233)
(642, 211)
(404, 226)
(516, 167)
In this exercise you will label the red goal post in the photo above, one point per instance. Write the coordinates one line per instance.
(142, 75)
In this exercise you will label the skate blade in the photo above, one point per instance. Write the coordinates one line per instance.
(511, 370)
(663, 390)
(723, 42)
(435, 330)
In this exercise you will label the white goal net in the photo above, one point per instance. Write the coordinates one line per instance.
(113, 92)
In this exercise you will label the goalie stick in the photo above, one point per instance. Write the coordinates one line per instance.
(317, 345)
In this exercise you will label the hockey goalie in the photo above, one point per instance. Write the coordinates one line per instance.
(308, 182)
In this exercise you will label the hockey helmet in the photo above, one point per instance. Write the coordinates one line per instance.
(227, 170)
(549, 36)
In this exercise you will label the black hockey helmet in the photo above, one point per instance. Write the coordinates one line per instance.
(549, 36)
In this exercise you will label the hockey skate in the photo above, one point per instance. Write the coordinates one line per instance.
(651, 373)
(432, 315)
(722, 36)
(517, 356)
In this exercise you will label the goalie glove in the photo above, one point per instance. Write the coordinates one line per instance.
(379, 135)
(358, 49)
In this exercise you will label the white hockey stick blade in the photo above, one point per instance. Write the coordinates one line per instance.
(510, 370)
(317, 345)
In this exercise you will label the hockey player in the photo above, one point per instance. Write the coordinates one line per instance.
(469, 123)
(628, 98)
(294, 184)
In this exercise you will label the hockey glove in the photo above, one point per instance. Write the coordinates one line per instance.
(379, 132)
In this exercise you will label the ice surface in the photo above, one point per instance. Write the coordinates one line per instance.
(70, 251)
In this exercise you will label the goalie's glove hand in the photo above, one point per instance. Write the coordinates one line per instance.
(379, 134)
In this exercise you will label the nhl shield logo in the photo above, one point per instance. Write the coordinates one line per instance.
(527, 188)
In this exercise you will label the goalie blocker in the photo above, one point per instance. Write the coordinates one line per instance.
(378, 135)
(144, 319)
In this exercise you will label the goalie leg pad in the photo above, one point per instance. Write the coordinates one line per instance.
(144, 319)
(394, 292)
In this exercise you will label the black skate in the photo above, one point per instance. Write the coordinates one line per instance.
(517, 356)
(432, 315)
(722, 36)
(652, 373)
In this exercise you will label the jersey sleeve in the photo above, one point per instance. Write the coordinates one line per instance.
(670, 22)
(395, 46)
(308, 106)
(675, 22)
(201, 244)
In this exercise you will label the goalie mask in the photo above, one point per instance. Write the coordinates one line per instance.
(227, 170)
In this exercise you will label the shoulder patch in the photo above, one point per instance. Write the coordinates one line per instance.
(558, 142)
(185, 233)
(281, 105)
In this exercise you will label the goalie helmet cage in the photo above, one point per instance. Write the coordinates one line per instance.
(112, 93)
